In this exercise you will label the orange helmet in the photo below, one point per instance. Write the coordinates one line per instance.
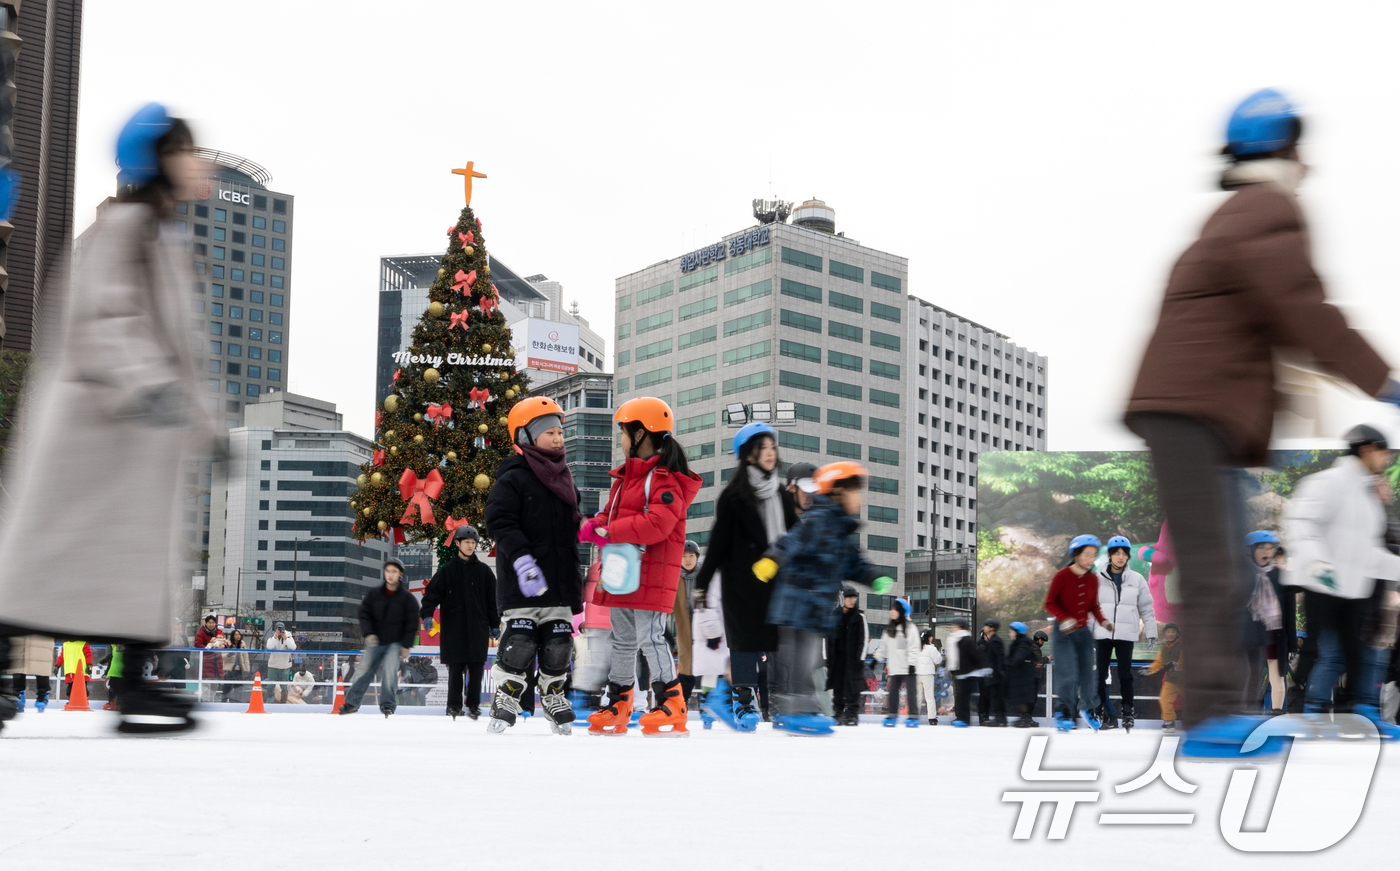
(650, 412)
(827, 476)
(528, 409)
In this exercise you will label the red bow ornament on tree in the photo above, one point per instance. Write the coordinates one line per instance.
(452, 524)
(463, 281)
(376, 419)
(452, 229)
(464, 238)
(470, 237)
(479, 397)
(459, 319)
(397, 372)
(379, 457)
(488, 305)
(418, 491)
(438, 413)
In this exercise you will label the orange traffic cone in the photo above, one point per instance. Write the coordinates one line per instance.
(77, 694)
(255, 702)
(339, 696)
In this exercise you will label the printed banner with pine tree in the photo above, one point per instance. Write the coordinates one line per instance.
(441, 431)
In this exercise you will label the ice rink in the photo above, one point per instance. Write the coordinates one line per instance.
(309, 790)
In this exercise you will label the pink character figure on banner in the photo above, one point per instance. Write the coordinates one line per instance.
(1161, 580)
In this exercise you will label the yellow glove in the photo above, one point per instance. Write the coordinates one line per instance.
(765, 569)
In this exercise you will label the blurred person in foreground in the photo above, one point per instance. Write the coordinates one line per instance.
(115, 419)
(1204, 398)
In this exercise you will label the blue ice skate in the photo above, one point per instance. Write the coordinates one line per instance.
(803, 724)
(1389, 731)
(40, 704)
(1090, 719)
(911, 723)
(891, 722)
(583, 705)
(1063, 723)
(20, 698)
(1228, 737)
(959, 724)
(719, 705)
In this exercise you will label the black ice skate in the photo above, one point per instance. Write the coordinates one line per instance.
(505, 701)
(1128, 715)
(149, 708)
(558, 713)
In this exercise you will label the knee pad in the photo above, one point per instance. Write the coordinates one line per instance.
(558, 647)
(518, 648)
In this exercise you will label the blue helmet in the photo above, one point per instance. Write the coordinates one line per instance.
(1265, 122)
(1019, 627)
(1084, 541)
(1118, 541)
(748, 432)
(1258, 537)
(137, 160)
(904, 606)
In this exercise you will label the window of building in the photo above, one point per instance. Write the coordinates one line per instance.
(693, 367)
(274, 375)
(758, 257)
(232, 387)
(798, 441)
(220, 215)
(279, 244)
(884, 370)
(275, 299)
(799, 381)
(842, 419)
(655, 349)
(845, 301)
(700, 509)
(788, 287)
(218, 253)
(745, 382)
(843, 390)
(279, 207)
(885, 282)
(746, 353)
(880, 426)
(692, 310)
(697, 337)
(259, 223)
(254, 371)
(808, 412)
(848, 450)
(800, 321)
(885, 398)
(849, 332)
(624, 357)
(700, 452)
(655, 376)
(885, 340)
(652, 294)
(216, 328)
(884, 312)
(748, 322)
(843, 361)
(695, 394)
(253, 390)
(886, 543)
(686, 425)
(255, 334)
(799, 351)
(884, 456)
(846, 271)
(881, 514)
(795, 257)
(259, 241)
(753, 291)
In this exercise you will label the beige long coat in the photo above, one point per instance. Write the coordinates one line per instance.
(94, 467)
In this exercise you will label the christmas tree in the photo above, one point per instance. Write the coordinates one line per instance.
(441, 432)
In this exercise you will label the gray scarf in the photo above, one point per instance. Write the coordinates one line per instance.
(770, 505)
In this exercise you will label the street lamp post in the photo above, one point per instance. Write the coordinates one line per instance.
(296, 553)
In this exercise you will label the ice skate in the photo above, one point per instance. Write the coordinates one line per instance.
(1063, 723)
(583, 704)
(505, 701)
(1090, 719)
(959, 724)
(722, 705)
(454, 713)
(804, 724)
(473, 713)
(670, 715)
(149, 709)
(1388, 731)
(557, 711)
(347, 708)
(745, 714)
(891, 722)
(387, 711)
(19, 699)
(1128, 718)
(1228, 737)
(1169, 727)
(40, 704)
(912, 723)
(613, 719)
(1025, 721)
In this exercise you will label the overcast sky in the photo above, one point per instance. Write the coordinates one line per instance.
(1040, 164)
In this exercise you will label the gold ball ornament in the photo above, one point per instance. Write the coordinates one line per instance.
(354, 504)
(388, 435)
(394, 451)
(486, 270)
(365, 512)
(482, 428)
(508, 352)
(362, 481)
(383, 526)
(376, 478)
(481, 482)
(486, 349)
(452, 455)
(435, 309)
(418, 439)
(441, 273)
(391, 403)
(418, 418)
(468, 250)
(502, 421)
(510, 393)
(431, 376)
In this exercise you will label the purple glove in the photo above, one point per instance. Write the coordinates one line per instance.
(529, 576)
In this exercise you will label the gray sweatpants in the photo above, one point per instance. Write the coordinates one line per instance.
(634, 630)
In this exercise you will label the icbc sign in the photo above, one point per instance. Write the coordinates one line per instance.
(234, 197)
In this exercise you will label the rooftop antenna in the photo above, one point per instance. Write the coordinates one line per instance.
(573, 308)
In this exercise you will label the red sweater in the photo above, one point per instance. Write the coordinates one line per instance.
(1074, 596)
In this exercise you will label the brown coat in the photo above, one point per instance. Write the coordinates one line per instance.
(1244, 288)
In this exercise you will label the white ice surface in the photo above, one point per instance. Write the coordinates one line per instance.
(312, 791)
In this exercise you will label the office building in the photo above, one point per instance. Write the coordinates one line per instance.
(404, 282)
(800, 326)
(282, 504)
(241, 242)
(40, 49)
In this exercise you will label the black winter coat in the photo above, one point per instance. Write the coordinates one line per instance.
(1287, 636)
(524, 516)
(993, 653)
(394, 618)
(1020, 672)
(465, 591)
(737, 541)
(845, 659)
(969, 657)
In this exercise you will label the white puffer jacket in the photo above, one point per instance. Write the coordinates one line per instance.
(1335, 519)
(896, 655)
(1125, 607)
(929, 660)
